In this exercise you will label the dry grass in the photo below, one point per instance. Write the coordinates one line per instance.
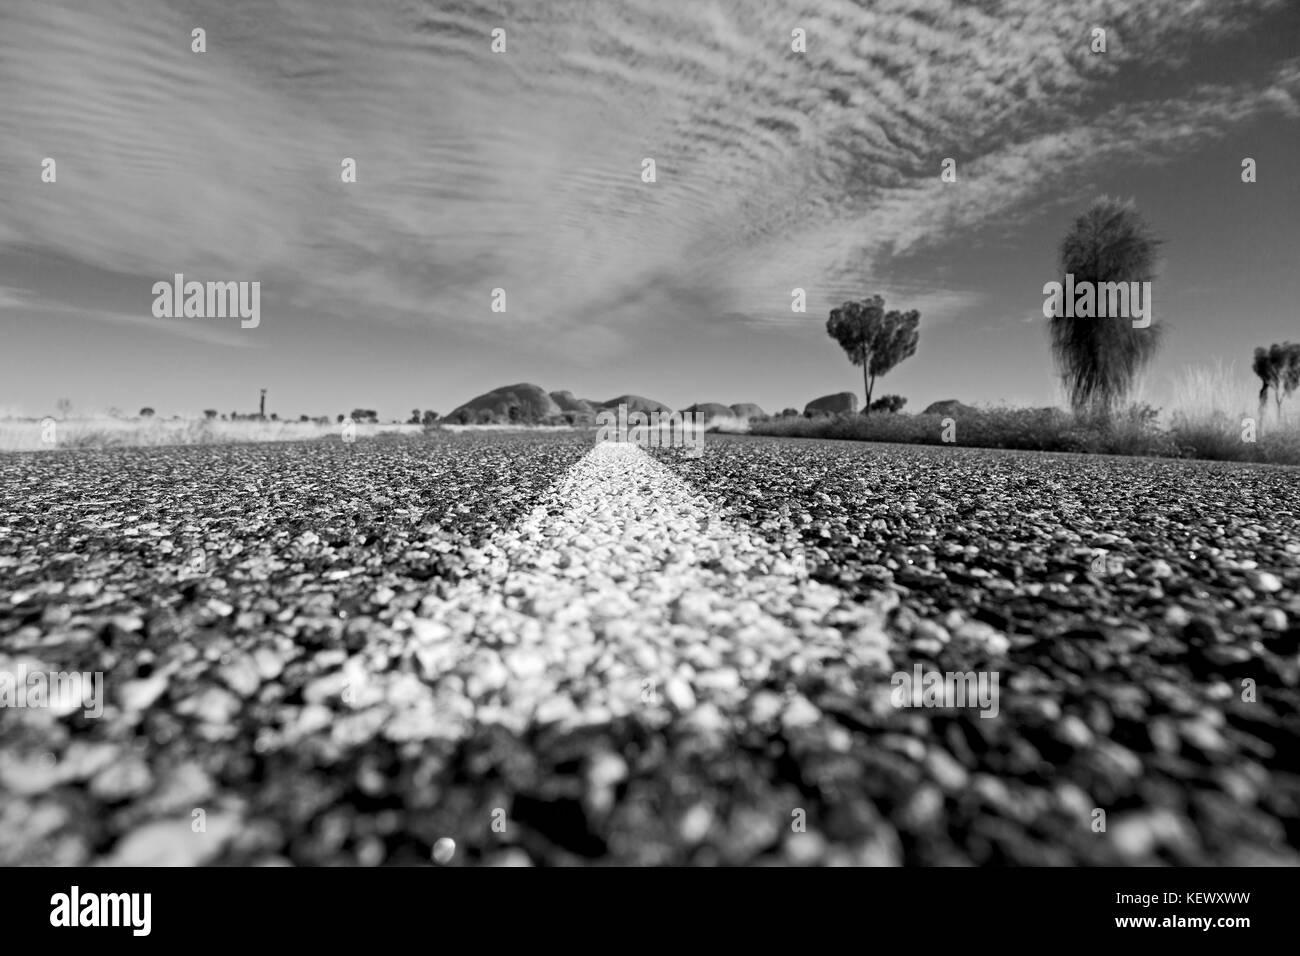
(29, 434)
(1213, 409)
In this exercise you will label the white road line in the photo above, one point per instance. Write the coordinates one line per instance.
(623, 591)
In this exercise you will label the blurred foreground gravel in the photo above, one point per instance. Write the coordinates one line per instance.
(319, 653)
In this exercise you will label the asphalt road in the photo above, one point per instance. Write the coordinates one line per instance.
(319, 653)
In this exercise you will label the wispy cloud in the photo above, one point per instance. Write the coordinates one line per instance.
(522, 171)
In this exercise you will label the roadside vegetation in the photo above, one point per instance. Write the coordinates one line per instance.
(1099, 361)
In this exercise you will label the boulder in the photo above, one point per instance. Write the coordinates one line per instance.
(636, 403)
(522, 404)
(838, 404)
(949, 406)
(710, 410)
(747, 410)
(575, 410)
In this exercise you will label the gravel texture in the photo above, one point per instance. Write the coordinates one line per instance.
(520, 650)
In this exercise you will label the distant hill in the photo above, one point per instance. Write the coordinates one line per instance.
(523, 404)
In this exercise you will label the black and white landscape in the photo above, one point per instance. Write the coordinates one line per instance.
(933, 501)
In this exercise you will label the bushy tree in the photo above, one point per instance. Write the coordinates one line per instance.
(1278, 368)
(1099, 358)
(146, 412)
(889, 403)
(210, 414)
(430, 417)
(872, 338)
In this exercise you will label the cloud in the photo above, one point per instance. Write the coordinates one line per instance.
(522, 170)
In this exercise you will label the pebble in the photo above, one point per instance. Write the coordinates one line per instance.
(1264, 582)
(764, 706)
(138, 695)
(1273, 619)
(174, 842)
(695, 823)
(924, 807)
(1073, 731)
(125, 778)
(805, 849)
(945, 770)
(800, 712)
(679, 694)
(241, 675)
(443, 850)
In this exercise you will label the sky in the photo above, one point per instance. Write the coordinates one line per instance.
(522, 170)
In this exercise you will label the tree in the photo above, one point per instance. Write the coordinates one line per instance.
(1099, 358)
(430, 417)
(415, 417)
(1278, 368)
(210, 413)
(872, 338)
(146, 412)
(64, 405)
(888, 403)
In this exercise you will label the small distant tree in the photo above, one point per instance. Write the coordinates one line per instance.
(146, 412)
(64, 405)
(430, 417)
(339, 420)
(874, 339)
(360, 415)
(303, 418)
(275, 416)
(210, 413)
(1278, 368)
(889, 403)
